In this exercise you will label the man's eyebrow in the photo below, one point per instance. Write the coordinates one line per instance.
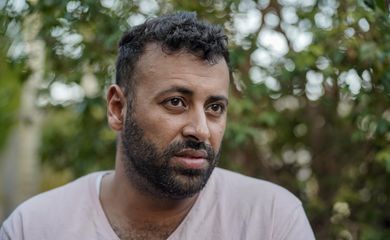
(187, 91)
(178, 89)
(218, 98)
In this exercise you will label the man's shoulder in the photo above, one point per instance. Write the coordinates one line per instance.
(54, 201)
(47, 213)
(60, 194)
(237, 205)
(252, 188)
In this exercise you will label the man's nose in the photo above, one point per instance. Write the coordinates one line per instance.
(197, 126)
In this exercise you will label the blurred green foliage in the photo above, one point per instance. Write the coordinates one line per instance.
(314, 119)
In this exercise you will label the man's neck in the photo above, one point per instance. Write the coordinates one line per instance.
(136, 215)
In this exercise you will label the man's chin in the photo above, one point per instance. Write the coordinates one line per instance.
(190, 173)
(185, 187)
(186, 182)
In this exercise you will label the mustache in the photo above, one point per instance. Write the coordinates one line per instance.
(176, 147)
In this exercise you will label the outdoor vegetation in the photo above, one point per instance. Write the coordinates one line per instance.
(309, 104)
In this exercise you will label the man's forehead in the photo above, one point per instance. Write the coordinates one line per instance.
(158, 71)
(154, 50)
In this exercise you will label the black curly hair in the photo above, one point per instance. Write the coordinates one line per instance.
(174, 33)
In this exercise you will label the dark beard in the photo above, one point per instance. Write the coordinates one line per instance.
(149, 169)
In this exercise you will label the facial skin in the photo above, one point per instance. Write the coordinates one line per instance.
(173, 127)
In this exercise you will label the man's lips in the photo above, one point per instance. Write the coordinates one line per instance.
(192, 153)
(190, 158)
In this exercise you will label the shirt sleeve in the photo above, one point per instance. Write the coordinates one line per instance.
(295, 227)
(3, 234)
(12, 228)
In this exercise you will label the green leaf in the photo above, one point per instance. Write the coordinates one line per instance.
(384, 158)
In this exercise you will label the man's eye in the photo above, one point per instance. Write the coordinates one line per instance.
(216, 108)
(174, 102)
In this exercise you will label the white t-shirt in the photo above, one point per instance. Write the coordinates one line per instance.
(231, 206)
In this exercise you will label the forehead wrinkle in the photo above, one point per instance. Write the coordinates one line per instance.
(178, 89)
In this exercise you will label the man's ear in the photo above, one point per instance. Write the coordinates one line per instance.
(116, 107)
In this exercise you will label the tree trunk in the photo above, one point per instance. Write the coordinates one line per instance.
(20, 158)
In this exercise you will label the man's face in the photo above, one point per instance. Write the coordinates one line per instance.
(175, 123)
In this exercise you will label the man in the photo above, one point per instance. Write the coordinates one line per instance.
(168, 107)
